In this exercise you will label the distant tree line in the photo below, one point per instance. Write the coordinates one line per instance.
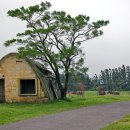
(113, 79)
(116, 79)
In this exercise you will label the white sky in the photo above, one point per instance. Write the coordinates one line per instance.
(110, 50)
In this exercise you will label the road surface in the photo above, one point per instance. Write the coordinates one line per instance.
(87, 118)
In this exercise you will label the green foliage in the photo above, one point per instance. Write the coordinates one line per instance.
(114, 79)
(54, 37)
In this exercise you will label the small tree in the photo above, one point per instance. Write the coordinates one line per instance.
(54, 38)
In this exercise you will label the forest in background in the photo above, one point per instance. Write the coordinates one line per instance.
(116, 79)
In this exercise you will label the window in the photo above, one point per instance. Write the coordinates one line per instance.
(27, 86)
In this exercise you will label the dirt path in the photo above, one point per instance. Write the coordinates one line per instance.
(89, 118)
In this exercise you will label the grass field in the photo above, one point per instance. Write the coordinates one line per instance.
(20, 111)
(123, 124)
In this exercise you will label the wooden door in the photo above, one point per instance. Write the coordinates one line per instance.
(2, 90)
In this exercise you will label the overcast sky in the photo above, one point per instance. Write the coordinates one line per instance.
(108, 51)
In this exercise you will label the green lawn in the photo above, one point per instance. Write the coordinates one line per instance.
(123, 124)
(20, 111)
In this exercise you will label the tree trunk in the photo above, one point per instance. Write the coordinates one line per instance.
(62, 89)
(59, 84)
(66, 83)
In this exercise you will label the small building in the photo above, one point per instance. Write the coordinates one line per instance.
(25, 80)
